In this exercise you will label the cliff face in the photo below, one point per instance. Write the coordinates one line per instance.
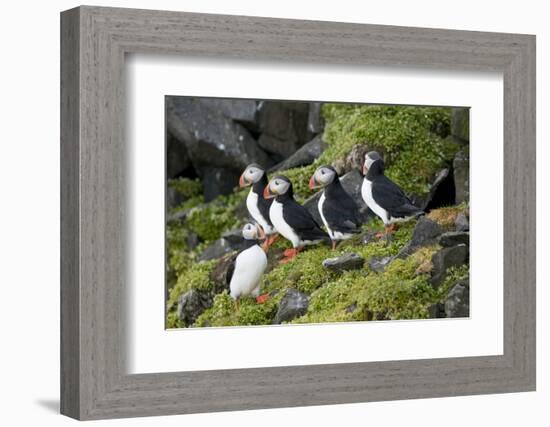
(420, 272)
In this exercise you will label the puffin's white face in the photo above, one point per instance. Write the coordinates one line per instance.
(253, 232)
(370, 158)
(276, 187)
(322, 177)
(251, 175)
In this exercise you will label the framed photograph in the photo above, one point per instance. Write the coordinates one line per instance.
(261, 213)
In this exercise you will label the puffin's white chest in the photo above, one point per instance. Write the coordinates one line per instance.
(366, 192)
(276, 216)
(252, 206)
(249, 267)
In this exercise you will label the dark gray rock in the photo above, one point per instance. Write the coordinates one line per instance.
(278, 149)
(213, 142)
(230, 241)
(461, 176)
(349, 261)
(453, 238)
(461, 222)
(173, 198)
(178, 215)
(457, 303)
(305, 155)
(446, 258)
(177, 158)
(293, 304)
(425, 233)
(244, 111)
(352, 182)
(460, 123)
(283, 126)
(192, 240)
(191, 304)
(315, 121)
(219, 273)
(216, 181)
(442, 191)
(234, 237)
(379, 264)
(437, 311)
(216, 250)
(441, 129)
(368, 237)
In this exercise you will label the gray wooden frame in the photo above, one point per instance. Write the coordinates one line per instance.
(94, 41)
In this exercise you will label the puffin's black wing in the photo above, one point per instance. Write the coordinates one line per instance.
(341, 212)
(390, 197)
(230, 270)
(263, 206)
(302, 222)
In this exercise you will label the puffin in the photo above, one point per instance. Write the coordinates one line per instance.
(383, 196)
(291, 220)
(338, 210)
(258, 207)
(246, 269)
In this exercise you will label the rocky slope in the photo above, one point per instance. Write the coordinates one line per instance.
(421, 272)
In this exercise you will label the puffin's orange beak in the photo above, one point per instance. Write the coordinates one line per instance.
(267, 193)
(312, 183)
(242, 182)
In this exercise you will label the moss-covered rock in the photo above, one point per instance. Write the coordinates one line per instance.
(414, 148)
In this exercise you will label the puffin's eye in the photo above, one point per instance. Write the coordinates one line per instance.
(322, 171)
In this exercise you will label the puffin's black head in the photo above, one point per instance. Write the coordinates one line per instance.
(253, 232)
(278, 186)
(322, 177)
(252, 174)
(373, 165)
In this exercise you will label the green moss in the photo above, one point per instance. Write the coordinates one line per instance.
(397, 293)
(196, 276)
(186, 187)
(210, 220)
(172, 320)
(453, 276)
(305, 272)
(252, 313)
(413, 153)
(222, 312)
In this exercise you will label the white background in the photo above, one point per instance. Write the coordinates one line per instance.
(29, 233)
(152, 349)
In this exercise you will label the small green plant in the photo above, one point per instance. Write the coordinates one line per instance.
(196, 276)
(186, 187)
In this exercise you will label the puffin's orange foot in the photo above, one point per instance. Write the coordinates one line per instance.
(271, 240)
(391, 228)
(379, 235)
(290, 253)
(260, 299)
